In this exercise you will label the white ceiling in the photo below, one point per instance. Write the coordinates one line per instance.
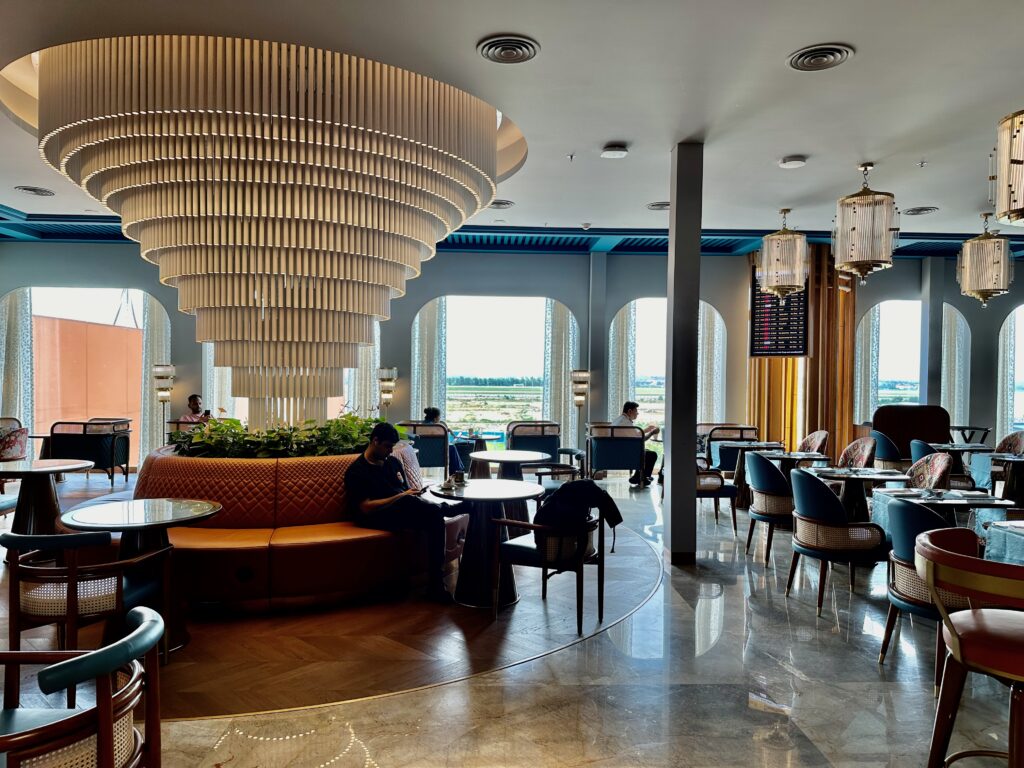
(929, 81)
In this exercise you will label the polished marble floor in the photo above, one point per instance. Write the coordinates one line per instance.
(717, 669)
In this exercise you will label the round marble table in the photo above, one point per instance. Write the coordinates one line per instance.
(38, 508)
(788, 460)
(476, 571)
(956, 452)
(739, 475)
(510, 463)
(855, 500)
(143, 523)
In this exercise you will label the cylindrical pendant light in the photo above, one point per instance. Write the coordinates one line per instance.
(866, 230)
(782, 264)
(984, 268)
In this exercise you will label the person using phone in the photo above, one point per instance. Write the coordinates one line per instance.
(195, 413)
(379, 496)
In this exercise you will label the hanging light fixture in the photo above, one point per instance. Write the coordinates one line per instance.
(782, 264)
(984, 268)
(1008, 173)
(866, 230)
(287, 192)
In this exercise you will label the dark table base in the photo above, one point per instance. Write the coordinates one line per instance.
(476, 571)
(855, 501)
(1013, 482)
(38, 508)
(479, 470)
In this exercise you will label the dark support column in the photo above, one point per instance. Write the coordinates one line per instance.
(681, 354)
(932, 276)
(597, 345)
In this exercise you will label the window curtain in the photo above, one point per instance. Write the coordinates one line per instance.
(561, 351)
(711, 341)
(1005, 373)
(788, 397)
(622, 360)
(956, 365)
(866, 367)
(156, 350)
(217, 386)
(362, 388)
(16, 369)
(429, 378)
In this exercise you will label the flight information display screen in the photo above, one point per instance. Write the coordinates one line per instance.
(777, 328)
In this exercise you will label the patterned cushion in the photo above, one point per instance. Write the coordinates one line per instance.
(245, 488)
(410, 464)
(1012, 443)
(858, 454)
(14, 444)
(312, 490)
(814, 442)
(932, 471)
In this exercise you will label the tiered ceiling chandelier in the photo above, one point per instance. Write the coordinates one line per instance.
(1009, 169)
(288, 192)
(984, 268)
(782, 264)
(866, 230)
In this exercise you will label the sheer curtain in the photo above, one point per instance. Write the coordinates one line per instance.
(217, 386)
(956, 365)
(362, 387)
(16, 373)
(561, 351)
(429, 376)
(1005, 376)
(156, 350)
(622, 360)
(711, 341)
(865, 371)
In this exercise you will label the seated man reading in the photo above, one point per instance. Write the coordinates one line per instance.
(380, 497)
(630, 411)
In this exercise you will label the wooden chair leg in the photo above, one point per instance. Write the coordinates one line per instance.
(822, 581)
(600, 590)
(716, 509)
(732, 508)
(750, 534)
(544, 583)
(792, 572)
(768, 543)
(853, 575)
(579, 600)
(890, 624)
(1016, 726)
(940, 656)
(954, 675)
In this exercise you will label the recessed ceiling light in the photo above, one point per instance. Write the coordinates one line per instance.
(793, 161)
(501, 205)
(815, 58)
(921, 210)
(614, 151)
(661, 205)
(37, 191)
(508, 49)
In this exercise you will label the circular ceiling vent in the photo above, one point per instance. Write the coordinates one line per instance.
(661, 205)
(501, 205)
(815, 58)
(37, 191)
(921, 210)
(508, 49)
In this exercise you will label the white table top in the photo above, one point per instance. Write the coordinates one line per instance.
(24, 467)
(509, 457)
(491, 490)
(131, 514)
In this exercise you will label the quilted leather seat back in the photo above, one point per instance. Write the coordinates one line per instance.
(245, 488)
(312, 490)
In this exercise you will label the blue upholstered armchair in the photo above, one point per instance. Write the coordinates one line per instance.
(772, 498)
(431, 442)
(887, 453)
(611, 447)
(544, 437)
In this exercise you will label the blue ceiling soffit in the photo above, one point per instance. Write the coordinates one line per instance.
(16, 226)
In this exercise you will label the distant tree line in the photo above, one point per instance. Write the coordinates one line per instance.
(500, 381)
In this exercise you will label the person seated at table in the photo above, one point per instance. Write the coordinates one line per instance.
(432, 415)
(642, 476)
(195, 411)
(379, 497)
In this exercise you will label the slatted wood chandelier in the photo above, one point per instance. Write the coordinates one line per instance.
(287, 192)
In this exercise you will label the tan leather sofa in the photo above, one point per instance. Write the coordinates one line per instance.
(283, 534)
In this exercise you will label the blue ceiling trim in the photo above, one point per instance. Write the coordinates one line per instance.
(17, 226)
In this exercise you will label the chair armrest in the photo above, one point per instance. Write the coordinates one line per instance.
(517, 524)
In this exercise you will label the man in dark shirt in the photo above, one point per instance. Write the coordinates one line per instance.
(380, 497)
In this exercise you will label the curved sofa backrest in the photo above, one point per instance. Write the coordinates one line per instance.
(253, 493)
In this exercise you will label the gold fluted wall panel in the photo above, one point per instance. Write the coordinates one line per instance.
(287, 192)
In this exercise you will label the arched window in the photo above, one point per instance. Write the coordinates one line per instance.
(1010, 375)
(888, 357)
(956, 365)
(488, 360)
(70, 354)
(636, 360)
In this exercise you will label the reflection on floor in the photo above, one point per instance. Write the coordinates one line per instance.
(717, 669)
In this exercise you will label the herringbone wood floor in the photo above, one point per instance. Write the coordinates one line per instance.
(241, 662)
